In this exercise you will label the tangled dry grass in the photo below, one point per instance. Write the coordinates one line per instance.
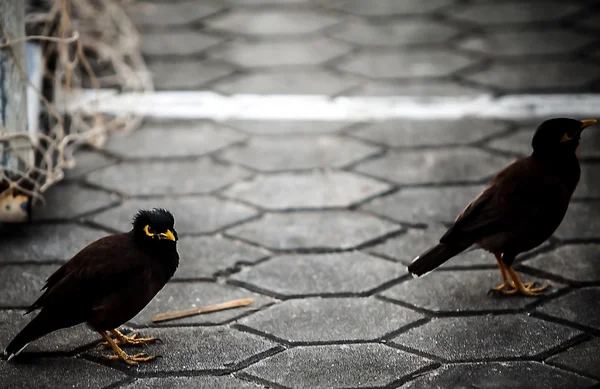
(84, 44)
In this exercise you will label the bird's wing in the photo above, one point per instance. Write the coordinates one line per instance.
(95, 271)
(516, 195)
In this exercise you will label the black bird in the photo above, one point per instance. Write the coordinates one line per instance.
(522, 206)
(107, 283)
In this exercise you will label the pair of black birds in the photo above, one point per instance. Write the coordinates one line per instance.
(110, 281)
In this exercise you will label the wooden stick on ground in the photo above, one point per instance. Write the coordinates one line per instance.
(206, 309)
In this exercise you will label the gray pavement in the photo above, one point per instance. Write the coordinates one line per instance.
(317, 220)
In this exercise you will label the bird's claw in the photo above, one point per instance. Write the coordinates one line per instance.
(527, 289)
(498, 288)
(132, 359)
(132, 340)
(501, 288)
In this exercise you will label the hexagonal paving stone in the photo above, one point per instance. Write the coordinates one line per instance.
(258, 54)
(408, 64)
(462, 291)
(172, 139)
(442, 166)
(66, 340)
(582, 221)
(532, 42)
(306, 190)
(189, 74)
(180, 296)
(272, 22)
(58, 373)
(299, 152)
(67, 201)
(536, 76)
(303, 82)
(20, 284)
(388, 7)
(193, 215)
(337, 366)
(590, 143)
(198, 349)
(302, 230)
(168, 13)
(583, 358)
(424, 205)
(176, 43)
(518, 142)
(414, 88)
(301, 275)
(410, 133)
(293, 127)
(513, 12)
(579, 306)
(331, 319)
(394, 34)
(38, 243)
(220, 382)
(589, 186)
(206, 257)
(86, 161)
(185, 177)
(514, 375)
(575, 263)
(485, 337)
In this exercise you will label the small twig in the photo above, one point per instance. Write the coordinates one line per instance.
(201, 310)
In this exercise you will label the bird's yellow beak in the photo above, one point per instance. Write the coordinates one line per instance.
(167, 235)
(587, 123)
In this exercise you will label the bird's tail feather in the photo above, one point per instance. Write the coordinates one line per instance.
(434, 257)
(36, 328)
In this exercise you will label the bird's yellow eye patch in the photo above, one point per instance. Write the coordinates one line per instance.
(148, 232)
(566, 137)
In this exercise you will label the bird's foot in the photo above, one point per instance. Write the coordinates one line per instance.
(501, 288)
(131, 359)
(133, 340)
(526, 289)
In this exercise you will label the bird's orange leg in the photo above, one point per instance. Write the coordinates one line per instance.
(519, 287)
(128, 359)
(507, 282)
(505, 278)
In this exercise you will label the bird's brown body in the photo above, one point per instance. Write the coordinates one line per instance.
(104, 285)
(104, 273)
(521, 207)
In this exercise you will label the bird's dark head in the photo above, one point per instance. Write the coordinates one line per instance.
(558, 136)
(155, 227)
